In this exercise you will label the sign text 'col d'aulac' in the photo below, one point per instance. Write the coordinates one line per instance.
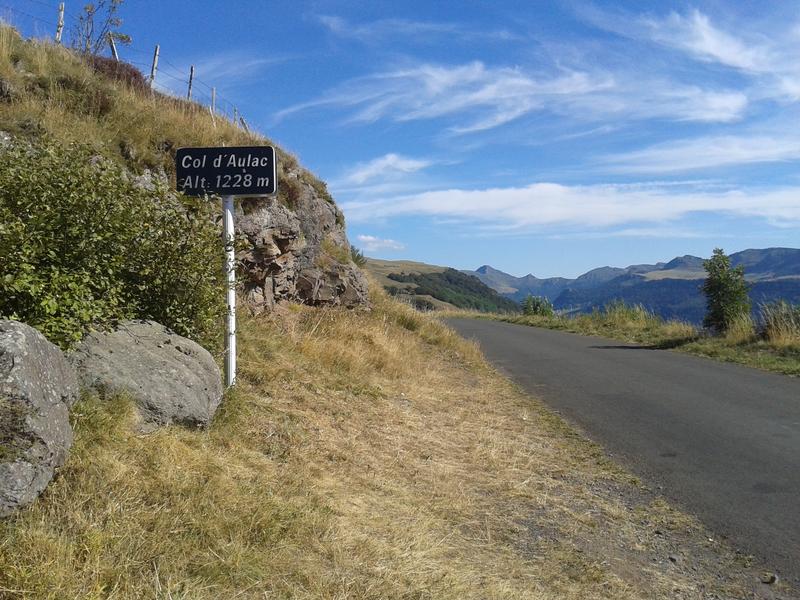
(238, 171)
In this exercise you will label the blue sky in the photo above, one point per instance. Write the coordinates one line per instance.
(542, 137)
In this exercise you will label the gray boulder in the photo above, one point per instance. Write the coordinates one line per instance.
(37, 387)
(172, 379)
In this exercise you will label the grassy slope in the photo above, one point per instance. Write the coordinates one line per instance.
(363, 455)
(52, 92)
(633, 324)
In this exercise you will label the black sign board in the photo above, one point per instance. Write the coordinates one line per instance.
(239, 171)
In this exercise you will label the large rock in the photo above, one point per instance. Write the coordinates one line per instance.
(37, 387)
(171, 378)
(299, 253)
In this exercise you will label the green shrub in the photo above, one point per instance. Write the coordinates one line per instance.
(538, 306)
(82, 245)
(726, 292)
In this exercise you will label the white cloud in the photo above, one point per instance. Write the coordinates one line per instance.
(224, 70)
(770, 59)
(708, 152)
(696, 35)
(643, 232)
(550, 205)
(385, 167)
(382, 29)
(370, 243)
(763, 51)
(233, 66)
(479, 97)
(474, 97)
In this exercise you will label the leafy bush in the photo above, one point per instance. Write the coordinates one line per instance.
(81, 245)
(538, 306)
(726, 292)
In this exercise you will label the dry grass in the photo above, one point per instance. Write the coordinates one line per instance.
(618, 320)
(773, 346)
(678, 330)
(742, 330)
(363, 455)
(782, 325)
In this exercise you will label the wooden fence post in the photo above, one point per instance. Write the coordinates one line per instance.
(113, 47)
(60, 27)
(191, 79)
(213, 108)
(154, 68)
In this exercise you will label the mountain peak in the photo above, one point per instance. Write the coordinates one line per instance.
(687, 261)
(486, 269)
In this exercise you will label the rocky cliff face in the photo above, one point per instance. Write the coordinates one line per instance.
(297, 249)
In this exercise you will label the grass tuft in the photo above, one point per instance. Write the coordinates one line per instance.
(782, 325)
(742, 330)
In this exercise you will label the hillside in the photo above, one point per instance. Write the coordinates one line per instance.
(429, 287)
(292, 247)
(670, 290)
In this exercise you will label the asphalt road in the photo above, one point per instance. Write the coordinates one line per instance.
(721, 440)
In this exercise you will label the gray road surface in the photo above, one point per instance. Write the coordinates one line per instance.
(721, 440)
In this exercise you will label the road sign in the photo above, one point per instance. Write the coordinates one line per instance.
(229, 172)
(238, 171)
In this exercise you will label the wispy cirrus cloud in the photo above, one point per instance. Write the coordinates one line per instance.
(416, 31)
(235, 66)
(223, 71)
(708, 152)
(696, 34)
(371, 243)
(474, 97)
(659, 232)
(549, 206)
(769, 61)
(384, 167)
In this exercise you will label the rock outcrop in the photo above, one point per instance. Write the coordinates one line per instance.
(172, 379)
(298, 253)
(37, 388)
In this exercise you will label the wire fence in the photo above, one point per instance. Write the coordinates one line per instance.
(40, 19)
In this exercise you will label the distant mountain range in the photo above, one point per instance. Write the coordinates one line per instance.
(670, 289)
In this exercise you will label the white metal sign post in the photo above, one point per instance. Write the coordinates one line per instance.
(230, 284)
(231, 172)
